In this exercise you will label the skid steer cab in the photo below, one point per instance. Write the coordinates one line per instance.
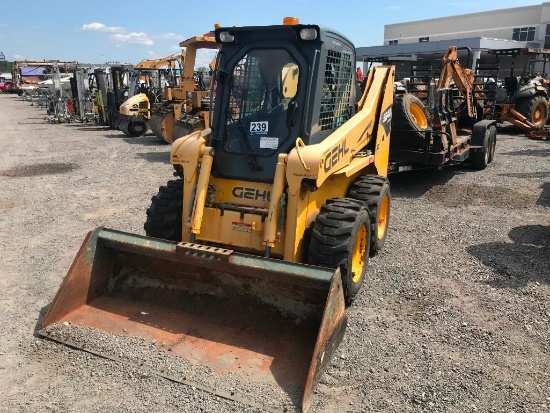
(264, 238)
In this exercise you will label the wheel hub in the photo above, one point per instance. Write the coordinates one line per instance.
(359, 252)
(419, 116)
(383, 216)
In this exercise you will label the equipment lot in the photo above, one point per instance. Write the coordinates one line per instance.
(454, 316)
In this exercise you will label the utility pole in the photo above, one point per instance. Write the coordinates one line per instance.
(4, 66)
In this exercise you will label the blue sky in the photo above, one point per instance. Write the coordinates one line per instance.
(128, 31)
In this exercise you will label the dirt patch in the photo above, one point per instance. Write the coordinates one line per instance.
(421, 301)
(39, 169)
(452, 195)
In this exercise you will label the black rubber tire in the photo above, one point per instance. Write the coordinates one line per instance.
(164, 215)
(529, 108)
(133, 128)
(371, 189)
(408, 131)
(138, 128)
(480, 159)
(492, 143)
(333, 239)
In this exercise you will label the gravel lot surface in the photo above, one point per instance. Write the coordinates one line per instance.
(454, 317)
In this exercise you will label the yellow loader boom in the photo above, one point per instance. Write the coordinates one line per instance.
(173, 61)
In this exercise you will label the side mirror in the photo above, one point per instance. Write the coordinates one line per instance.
(290, 74)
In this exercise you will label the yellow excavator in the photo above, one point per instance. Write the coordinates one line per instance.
(186, 106)
(254, 251)
(151, 78)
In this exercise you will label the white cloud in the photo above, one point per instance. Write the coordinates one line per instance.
(151, 53)
(175, 47)
(133, 38)
(18, 57)
(168, 36)
(204, 57)
(100, 27)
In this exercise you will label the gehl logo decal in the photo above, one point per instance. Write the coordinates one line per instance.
(251, 193)
(332, 157)
(386, 120)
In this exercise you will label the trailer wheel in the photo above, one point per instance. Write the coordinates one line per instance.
(410, 120)
(492, 143)
(340, 238)
(535, 109)
(164, 214)
(480, 158)
(374, 192)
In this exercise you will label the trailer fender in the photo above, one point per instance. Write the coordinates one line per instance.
(478, 132)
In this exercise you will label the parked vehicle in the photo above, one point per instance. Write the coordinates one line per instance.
(6, 86)
(521, 100)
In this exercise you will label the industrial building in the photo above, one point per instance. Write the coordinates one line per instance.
(427, 41)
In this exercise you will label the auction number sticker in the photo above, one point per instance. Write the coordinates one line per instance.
(259, 128)
(269, 143)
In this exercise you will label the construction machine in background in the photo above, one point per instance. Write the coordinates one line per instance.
(145, 93)
(185, 106)
(254, 251)
(109, 85)
(85, 96)
(521, 100)
(449, 131)
(27, 83)
(81, 96)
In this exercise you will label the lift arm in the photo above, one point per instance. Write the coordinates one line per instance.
(341, 149)
(451, 69)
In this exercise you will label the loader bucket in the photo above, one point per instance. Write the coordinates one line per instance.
(162, 124)
(264, 322)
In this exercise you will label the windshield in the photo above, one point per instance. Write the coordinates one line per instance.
(263, 86)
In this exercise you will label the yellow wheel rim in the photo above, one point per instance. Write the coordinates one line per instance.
(359, 250)
(419, 116)
(383, 216)
(538, 115)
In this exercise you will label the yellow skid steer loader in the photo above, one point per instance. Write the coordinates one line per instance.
(252, 255)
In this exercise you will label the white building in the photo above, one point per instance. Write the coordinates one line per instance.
(513, 28)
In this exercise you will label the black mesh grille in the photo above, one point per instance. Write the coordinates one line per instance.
(247, 88)
(336, 90)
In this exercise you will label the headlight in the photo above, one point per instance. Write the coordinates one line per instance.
(308, 34)
(226, 37)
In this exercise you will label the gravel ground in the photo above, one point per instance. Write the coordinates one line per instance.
(454, 317)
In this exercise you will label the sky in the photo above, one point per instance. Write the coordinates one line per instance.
(99, 31)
